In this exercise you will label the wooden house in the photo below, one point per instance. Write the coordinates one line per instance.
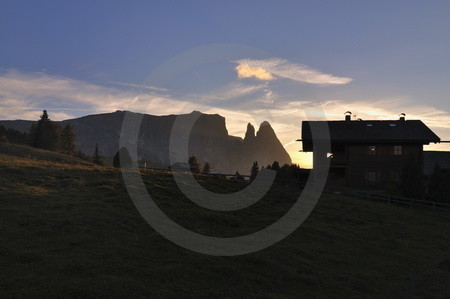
(369, 154)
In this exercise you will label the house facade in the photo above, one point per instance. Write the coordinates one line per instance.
(370, 154)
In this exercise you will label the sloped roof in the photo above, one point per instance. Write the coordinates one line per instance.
(379, 131)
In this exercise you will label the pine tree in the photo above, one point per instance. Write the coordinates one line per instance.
(122, 158)
(4, 139)
(68, 140)
(193, 162)
(45, 133)
(206, 168)
(254, 171)
(239, 177)
(275, 166)
(97, 159)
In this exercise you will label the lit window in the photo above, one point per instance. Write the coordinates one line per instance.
(398, 150)
(329, 155)
(372, 150)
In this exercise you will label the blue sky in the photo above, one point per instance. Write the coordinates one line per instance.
(249, 61)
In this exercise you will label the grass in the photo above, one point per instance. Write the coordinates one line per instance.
(68, 228)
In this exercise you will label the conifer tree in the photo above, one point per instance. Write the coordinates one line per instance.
(206, 168)
(275, 166)
(122, 158)
(97, 159)
(193, 162)
(45, 133)
(68, 140)
(254, 171)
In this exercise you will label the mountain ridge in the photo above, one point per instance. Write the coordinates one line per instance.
(209, 139)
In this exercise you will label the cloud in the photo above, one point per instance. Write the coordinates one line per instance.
(266, 69)
(245, 71)
(21, 93)
(25, 95)
(139, 86)
(231, 91)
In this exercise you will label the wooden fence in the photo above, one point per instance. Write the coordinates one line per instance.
(411, 202)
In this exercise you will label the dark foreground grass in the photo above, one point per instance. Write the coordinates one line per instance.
(72, 230)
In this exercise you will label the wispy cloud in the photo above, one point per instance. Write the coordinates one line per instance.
(233, 91)
(25, 95)
(139, 86)
(267, 69)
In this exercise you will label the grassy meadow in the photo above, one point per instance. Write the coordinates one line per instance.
(69, 229)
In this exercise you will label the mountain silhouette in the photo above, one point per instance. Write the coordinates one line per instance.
(209, 140)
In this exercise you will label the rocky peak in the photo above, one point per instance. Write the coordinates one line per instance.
(265, 129)
(250, 133)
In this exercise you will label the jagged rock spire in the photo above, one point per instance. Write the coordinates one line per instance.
(250, 133)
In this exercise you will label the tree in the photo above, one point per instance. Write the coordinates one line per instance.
(254, 171)
(275, 166)
(193, 162)
(45, 133)
(68, 140)
(239, 177)
(122, 158)
(14, 136)
(412, 179)
(206, 168)
(97, 159)
(439, 186)
(4, 139)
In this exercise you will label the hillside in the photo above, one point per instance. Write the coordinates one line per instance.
(70, 230)
(209, 140)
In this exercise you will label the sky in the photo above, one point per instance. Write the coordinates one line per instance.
(280, 61)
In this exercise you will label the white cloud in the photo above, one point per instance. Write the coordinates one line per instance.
(25, 95)
(266, 68)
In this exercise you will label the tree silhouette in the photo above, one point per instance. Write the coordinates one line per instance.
(193, 162)
(3, 139)
(45, 133)
(206, 168)
(68, 140)
(412, 179)
(122, 158)
(275, 166)
(439, 186)
(97, 159)
(254, 170)
(14, 136)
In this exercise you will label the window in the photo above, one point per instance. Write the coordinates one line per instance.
(398, 150)
(330, 155)
(396, 176)
(372, 150)
(372, 177)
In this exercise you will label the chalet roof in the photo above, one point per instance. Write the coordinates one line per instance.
(379, 131)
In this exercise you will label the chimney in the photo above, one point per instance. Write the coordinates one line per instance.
(402, 116)
(348, 116)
